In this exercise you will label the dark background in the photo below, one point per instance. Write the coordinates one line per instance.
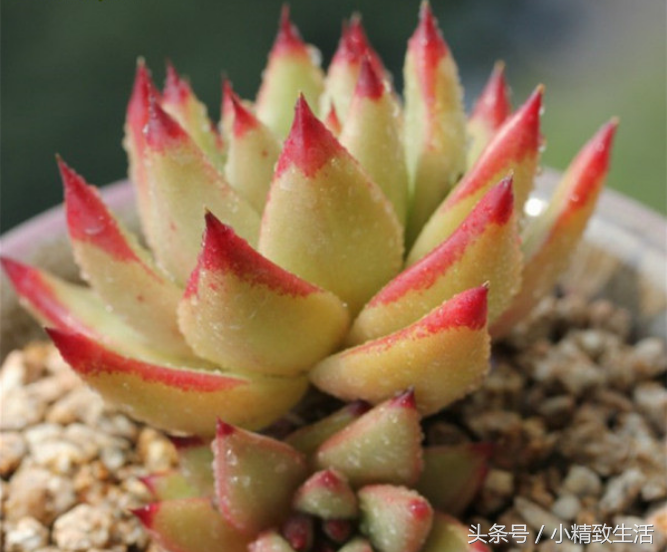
(68, 65)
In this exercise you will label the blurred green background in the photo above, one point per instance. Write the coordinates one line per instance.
(67, 69)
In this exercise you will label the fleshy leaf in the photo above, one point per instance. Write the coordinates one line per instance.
(242, 310)
(177, 397)
(180, 102)
(444, 356)
(255, 478)
(372, 134)
(345, 66)
(119, 269)
(252, 154)
(194, 460)
(308, 438)
(190, 525)
(70, 307)
(514, 150)
(325, 220)
(134, 142)
(293, 69)
(383, 446)
(395, 519)
(270, 541)
(327, 495)
(484, 248)
(184, 184)
(490, 112)
(550, 240)
(453, 475)
(435, 122)
(170, 486)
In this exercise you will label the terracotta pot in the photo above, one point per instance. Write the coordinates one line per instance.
(624, 257)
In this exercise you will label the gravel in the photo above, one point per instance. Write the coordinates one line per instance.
(576, 409)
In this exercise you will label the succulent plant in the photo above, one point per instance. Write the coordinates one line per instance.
(368, 251)
(363, 243)
(344, 483)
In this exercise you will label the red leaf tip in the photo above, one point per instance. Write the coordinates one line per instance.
(369, 83)
(176, 89)
(493, 104)
(223, 429)
(143, 90)
(146, 514)
(161, 127)
(428, 34)
(88, 219)
(244, 120)
(500, 201)
(309, 144)
(15, 270)
(405, 399)
(288, 39)
(420, 509)
(467, 309)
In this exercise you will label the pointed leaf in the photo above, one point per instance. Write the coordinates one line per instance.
(134, 143)
(395, 519)
(453, 475)
(372, 134)
(484, 248)
(242, 310)
(177, 397)
(325, 221)
(190, 525)
(490, 112)
(327, 495)
(308, 438)
(255, 478)
(119, 269)
(170, 486)
(60, 304)
(343, 72)
(195, 459)
(514, 150)
(435, 134)
(184, 184)
(550, 240)
(252, 155)
(293, 69)
(383, 446)
(444, 356)
(180, 102)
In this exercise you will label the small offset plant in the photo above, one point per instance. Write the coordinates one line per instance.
(364, 243)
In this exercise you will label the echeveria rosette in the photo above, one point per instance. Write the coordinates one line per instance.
(361, 242)
(346, 483)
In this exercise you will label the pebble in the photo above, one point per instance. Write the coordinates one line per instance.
(83, 528)
(582, 481)
(566, 507)
(26, 535)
